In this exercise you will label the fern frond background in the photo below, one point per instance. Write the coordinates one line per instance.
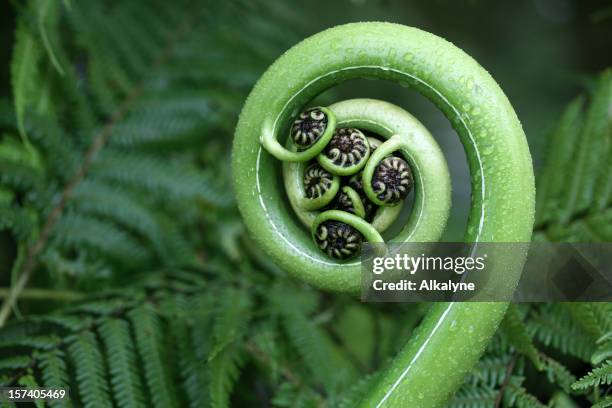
(133, 280)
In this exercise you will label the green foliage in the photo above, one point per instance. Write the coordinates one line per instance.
(112, 179)
(541, 343)
(574, 202)
(121, 191)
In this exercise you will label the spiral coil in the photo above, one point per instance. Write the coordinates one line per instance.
(453, 335)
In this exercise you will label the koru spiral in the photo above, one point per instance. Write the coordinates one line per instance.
(348, 168)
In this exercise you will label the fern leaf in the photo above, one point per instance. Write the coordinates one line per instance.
(289, 395)
(312, 343)
(24, 73)
(15, 362)
(224, 371)
(161, 178)
(470, 396)
(78, 231)
(193, 370)
(39, 342)
(570, 199)
(604, 349)
(596, 140)
(551, 181)
(553, 326)
(54, 374)
(85, 353)
(231, 318)
(122, 364)
(517, 396)
(516, 331)
(47, 22)
(490, 371)
(596, 318)
(599, 376)
(147, 332)
(604, 403)
(557, 373)
(30, 383)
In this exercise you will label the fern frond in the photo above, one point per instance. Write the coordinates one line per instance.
(516, 331)
(30, 382)
(312, 343)
(470, 396)
(490, 371)
(604, 349)
(122, 363)
(599, 376)
(160, 177)
(15, 362)
(571, 197)
(604, 403)
(290, 396)
(48, 15)
(515, 395)
(88, 363)
(193, 370)
(224, 371)
(553, 326)
(231, 317)
(147, 332)
(54, 374)
(557, 373)
(79, 231)
(595, 317)
(24, 73)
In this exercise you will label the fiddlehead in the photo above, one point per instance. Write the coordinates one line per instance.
(320, 187)
(346, 153)
(311, 126)
(350, 201)
(452, 335)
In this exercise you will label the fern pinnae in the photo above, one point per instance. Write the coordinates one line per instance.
(515, 395)
(596, 138)
(74, 230)
(192, 371)
(162, 179)
(88, 363)
(47, 20)
(551, 181)
(119, 205)
(311, 342)
(489, 371)
(24, 73)
(553, 326)
(473, 397)
(590, 146)
(29, 381)
(515, 330)
(224, 371)
(594, 317)
(15, 362)
(557, 373)
(604, 403)
(121, 361)
(54, 374)
(227, 355)
(146, 330)
(598, 376)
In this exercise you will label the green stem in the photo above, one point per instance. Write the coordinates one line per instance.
(453, 335)
(44, 294)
